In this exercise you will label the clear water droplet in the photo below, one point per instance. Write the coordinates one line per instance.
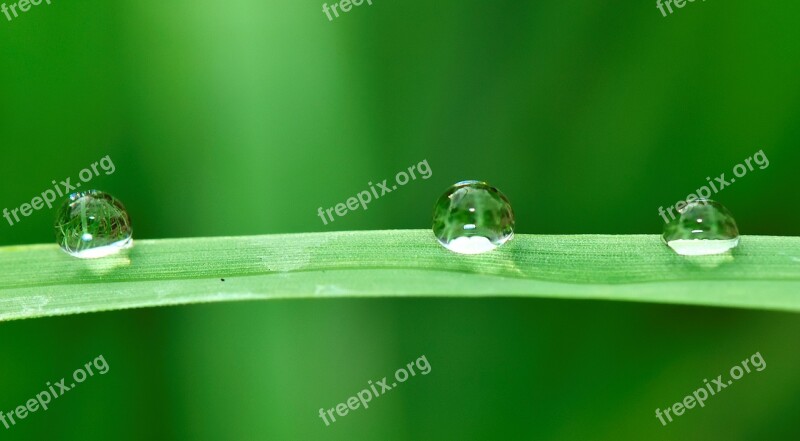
(472, 217)
(704, 227)
(93, 224)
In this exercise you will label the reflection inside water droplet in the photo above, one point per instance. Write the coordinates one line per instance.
(704, 227)
(93, 224)
(472, 217)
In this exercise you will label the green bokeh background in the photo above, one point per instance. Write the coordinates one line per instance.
(244, 117)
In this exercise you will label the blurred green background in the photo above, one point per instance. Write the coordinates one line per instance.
(244, 117)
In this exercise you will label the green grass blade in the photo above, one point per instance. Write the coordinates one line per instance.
(40, 280)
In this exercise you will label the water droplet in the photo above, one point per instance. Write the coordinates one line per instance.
(704, 227)
(473, 217)
(93, 224)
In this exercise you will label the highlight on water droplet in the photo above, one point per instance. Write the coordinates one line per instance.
(704, 227)
(93, 224)
(472, 217)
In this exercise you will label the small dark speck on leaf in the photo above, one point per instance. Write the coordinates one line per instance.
(222, 279)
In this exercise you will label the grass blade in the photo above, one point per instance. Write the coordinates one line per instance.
(40, 280)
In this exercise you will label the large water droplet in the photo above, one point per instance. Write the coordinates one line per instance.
(93, 224)
(704, 227)
(472, 217)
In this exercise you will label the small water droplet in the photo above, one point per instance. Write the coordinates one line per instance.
(93, 224)
(704, 227)
(473, 217)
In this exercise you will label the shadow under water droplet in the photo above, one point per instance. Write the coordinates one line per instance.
(709, 261)
(105, 265)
